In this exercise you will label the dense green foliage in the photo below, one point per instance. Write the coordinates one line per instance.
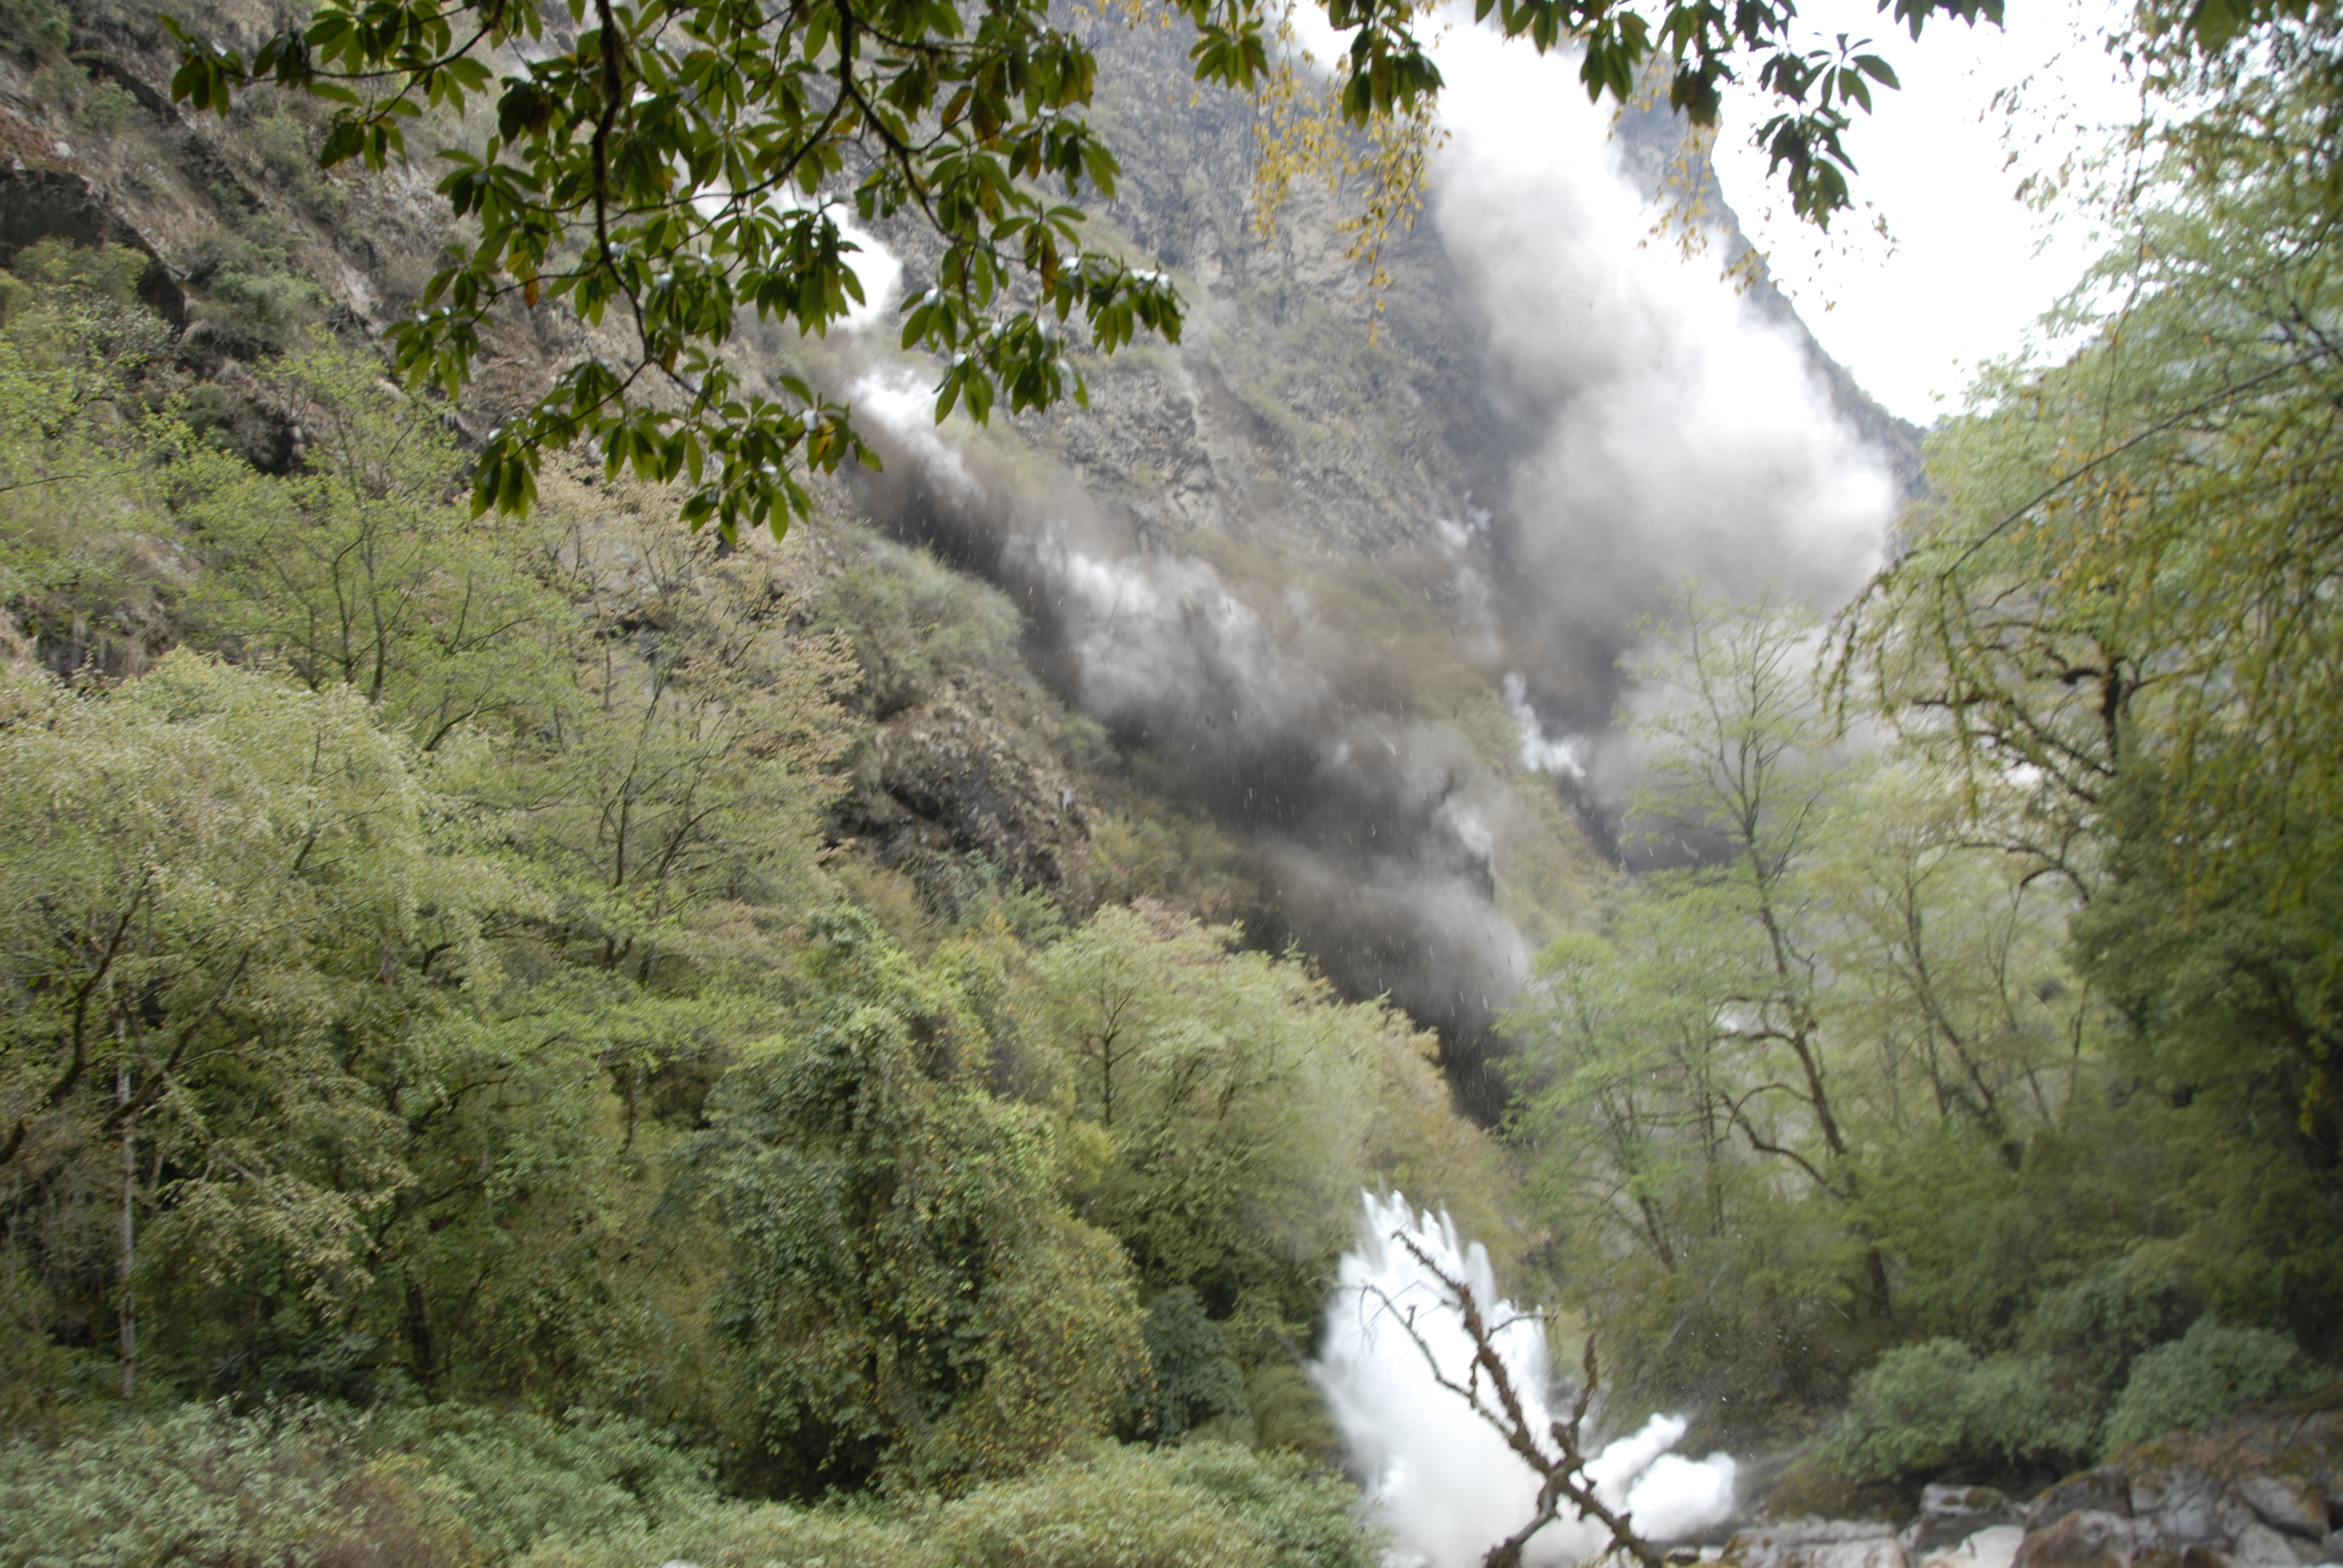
(1204, 1505)
(1859, 1106)
(414, 1484)
(426, 991)
(429, 991)
(2203, 1375)
(450, 1487)
(910, 1297)
(1930, 1407)
(1735, 1090)
(1977, 1062)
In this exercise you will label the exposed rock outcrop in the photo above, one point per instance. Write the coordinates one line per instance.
(1968, 1527)
(1816, 1544)
(958, 774)
(1953, 1515)
(50, 204)
(2264, 1489)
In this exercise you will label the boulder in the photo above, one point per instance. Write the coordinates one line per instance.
(2107, 1490)
(1951, 1514)
(2175, 1504)
(2257, 1544)
(1993, 1547)
(2185, 1503)
(1816, 1543)
(2082, 1538)
(2264, 1490)
(2287, 1502)
(2166, 1516)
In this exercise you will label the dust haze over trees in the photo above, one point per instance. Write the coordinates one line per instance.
(430, 992)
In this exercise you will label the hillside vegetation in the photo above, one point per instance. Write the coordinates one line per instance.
(429, 986)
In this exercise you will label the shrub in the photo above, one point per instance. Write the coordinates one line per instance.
(1935, 1406)
(2098, 1324)
(452, 1487)
(282, 143)
(105, 107)
(36, 30)
(83, 275)
(417, 1488)
(2202, 1376)
(32, 1369)
(252, 300)
(514, 1477)
(1904, 1414)
(1206, 1506)
(913, 620)
(1195, 1378)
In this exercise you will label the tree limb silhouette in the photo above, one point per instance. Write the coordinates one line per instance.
(1562, 1467)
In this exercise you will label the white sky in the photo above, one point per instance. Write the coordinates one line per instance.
(1939, 269)
(1965, 268)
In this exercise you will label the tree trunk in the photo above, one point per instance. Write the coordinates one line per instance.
(129, 1233)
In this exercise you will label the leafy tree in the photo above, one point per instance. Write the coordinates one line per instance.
(676, 162)
(624, 820)
(467, 891)
(1196, 1380)
(1691, 1110)
(1245, 1109)
(1746, 1094)
(2228, 1005)
(1742, 781)
(2116, 619)
(909, 1300)
(1703, 1264)
(85, 569)
(207, 927)
(1631, 1123)
(1945, 963)
(270, 1075)
(355, 571)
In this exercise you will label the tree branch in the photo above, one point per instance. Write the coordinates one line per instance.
(1562, 1473)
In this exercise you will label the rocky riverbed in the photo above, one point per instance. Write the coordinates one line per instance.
(2265, 1491)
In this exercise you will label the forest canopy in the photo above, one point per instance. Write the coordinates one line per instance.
(1985, 1053)
(430, 991)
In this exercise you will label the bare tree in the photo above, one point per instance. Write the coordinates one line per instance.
(1556, 1455)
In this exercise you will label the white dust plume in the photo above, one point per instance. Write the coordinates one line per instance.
(1437, 1472)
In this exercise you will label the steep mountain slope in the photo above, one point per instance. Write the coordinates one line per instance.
(1310, 595)
(1334, 568)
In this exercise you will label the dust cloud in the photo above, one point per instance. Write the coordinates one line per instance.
(1661, 429)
